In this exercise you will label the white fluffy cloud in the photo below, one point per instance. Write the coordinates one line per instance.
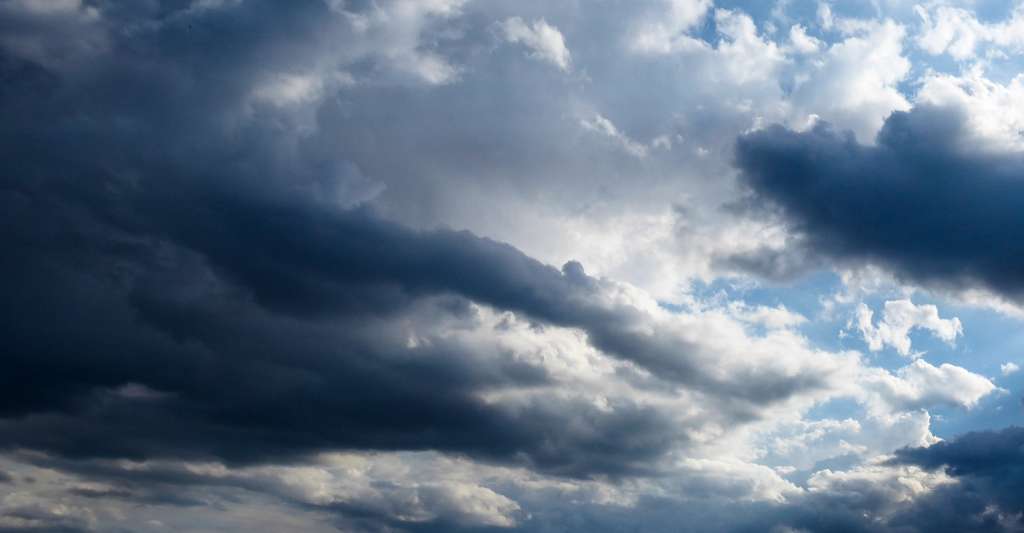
(544, 40)
(921, 385)
(958, 32)
(892, 485)
(664, 29)
(801, 42)
(899, 317)
(853, 84)
(993, 116)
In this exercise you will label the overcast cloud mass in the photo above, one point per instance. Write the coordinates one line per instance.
(467, 265)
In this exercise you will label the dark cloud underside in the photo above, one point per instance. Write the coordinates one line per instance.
(196, 281)
(919, 202)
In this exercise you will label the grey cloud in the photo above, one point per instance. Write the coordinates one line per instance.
(989, 465)
(986, 467)
(415, 505)
(191, 272)
(921, 202)
(147, 245)
(782, 265)
(158, 235)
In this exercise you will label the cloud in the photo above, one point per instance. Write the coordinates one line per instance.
(543, 39)
(769, 317)
(959, 33)
(1009, 368)
(239, 294)
(898, 318)
(855, 82)
(921, 384)
(228, 296)
(801, 42)
(992, 124)
(404, 491)
(989, 469)
(939, 215)
(603, 126)
(55, 34)
(333, 336)
(664, 29)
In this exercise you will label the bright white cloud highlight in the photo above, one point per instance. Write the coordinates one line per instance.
(603, 126)
(899, 317)
(959, 33)
(925, 384)
(854, 83)
(544, 40)
(801, 42)
(664, 29)
(994, 117)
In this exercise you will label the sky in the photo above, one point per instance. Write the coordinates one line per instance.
(511, 265)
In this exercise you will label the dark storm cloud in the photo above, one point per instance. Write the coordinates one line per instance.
(186, 277)
(988, 453)
(921, 202)
(161, 231)
(144, 244)
(988, 469)
(988, 464)
(180, 280)
(229, 379)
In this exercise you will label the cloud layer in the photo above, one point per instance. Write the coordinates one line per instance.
(453, 265)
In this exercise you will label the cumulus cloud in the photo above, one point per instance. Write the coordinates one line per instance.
(854, 84)
(988, 466)
(958, 32)
(801, 42)
(824, 181)
(543, 40)
(992, 122)
(921, 384)
(664, 29)
(898, 318)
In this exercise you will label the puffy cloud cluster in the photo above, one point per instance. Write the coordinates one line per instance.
(958, 32)
(545, 41)
(898, 318)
